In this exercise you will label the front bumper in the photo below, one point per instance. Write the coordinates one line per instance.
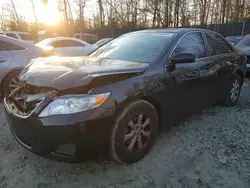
(63, 137)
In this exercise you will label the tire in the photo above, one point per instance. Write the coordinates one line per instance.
(144, 115)
(11, 77)
(236, 84)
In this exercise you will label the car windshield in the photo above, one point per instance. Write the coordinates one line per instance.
(135, 47)
(244, 42)
(26, 36)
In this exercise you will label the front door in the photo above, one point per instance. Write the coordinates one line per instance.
(189, 83)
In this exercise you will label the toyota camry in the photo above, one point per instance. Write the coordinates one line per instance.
(118, 98)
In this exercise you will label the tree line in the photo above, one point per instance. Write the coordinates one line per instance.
(133, 14)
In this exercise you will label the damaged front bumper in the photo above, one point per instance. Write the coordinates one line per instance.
(68, 137)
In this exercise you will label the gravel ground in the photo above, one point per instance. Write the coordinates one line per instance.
(210, 149)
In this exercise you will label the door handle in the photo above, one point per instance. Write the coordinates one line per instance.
(192, 74)
(207, 66)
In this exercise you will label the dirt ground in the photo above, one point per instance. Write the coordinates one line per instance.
(208, 150)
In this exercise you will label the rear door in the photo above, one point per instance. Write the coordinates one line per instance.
(223, 56)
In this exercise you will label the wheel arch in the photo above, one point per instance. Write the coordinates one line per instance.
(242, 75)
(148, 99)
(5, 76)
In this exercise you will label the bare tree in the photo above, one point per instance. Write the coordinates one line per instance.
(101, 13)
(34, 10)
(11, 9)
(80, 4)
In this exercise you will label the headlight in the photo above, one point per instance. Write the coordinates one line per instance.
(73, 104)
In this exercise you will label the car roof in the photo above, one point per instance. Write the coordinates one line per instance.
(88, 34)
(173, 30)
(50, 40)
(16, 32)
(63, 38)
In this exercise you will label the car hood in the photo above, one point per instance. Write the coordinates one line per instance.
(68, 72)
(244, 49)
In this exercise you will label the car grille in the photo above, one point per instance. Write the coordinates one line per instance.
(22, 103)
(21, 107)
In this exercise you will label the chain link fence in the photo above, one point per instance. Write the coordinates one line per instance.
(230, 29)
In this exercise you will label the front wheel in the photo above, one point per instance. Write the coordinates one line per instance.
(10, 83)
(233, 93)
(134, 132)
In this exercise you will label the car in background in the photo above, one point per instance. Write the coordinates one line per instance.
(244, 46)
(101, 42)
(117, 98)
(20, 35)
(234, 39)
(14, 56)
(90, 38)
(67, 46)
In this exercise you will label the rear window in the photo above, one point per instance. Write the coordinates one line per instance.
(26, 36)
(66, 43)
(12, 35)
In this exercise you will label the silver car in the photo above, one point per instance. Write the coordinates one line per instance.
(14, 56)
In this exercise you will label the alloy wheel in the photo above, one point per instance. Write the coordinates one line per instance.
(13, 84)
(137, 133)
(235, 90)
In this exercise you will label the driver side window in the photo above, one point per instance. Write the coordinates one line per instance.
(191, 43)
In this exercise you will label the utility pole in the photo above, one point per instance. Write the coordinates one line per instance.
(243, 28)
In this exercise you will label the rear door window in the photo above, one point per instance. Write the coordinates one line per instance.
(5, 46)
(12, 35)
(217, 45)
(26, 36)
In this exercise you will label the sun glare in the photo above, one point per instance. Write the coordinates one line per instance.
(49, 15)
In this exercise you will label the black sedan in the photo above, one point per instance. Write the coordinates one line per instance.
(119, 97)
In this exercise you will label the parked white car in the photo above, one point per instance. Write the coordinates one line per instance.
(66, 46)
(20, 35)
(14, 56)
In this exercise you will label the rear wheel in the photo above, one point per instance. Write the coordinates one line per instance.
(134, 132)
(10, 83)
(233, 93)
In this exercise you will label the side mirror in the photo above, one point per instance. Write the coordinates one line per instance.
(183, 58)
(179, 59)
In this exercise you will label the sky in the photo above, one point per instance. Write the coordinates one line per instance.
(49, 15)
